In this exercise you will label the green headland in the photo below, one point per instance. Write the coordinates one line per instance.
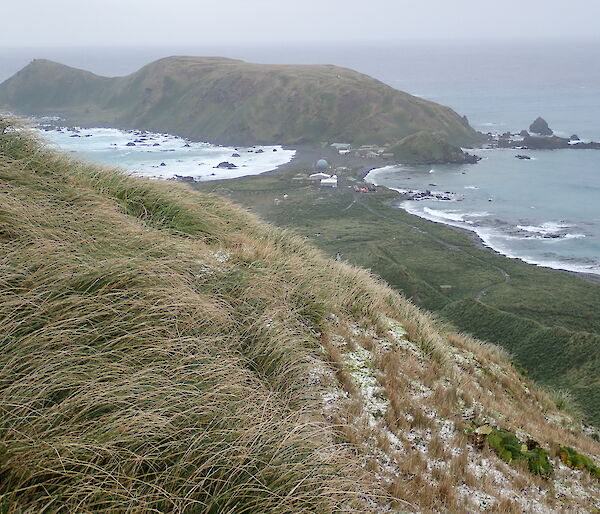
(228, 101)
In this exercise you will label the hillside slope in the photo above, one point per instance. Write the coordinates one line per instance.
(163, 350)
(233, 102)
(547, 319)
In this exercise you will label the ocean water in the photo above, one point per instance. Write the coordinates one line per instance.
(545, 210)
(165, 156)
(530, 209)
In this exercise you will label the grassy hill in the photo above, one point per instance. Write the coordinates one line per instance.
(428, 148)
(164, 350)
(233, 102)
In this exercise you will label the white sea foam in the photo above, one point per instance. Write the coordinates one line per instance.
(551, 231)
(445, 215)
(371, 177)
(548, 228)
(399, 190)
(165, 156)
(496, 239)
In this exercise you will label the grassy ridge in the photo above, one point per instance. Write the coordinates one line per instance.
(163, 350)
(570, 358)
(139, 371)
(232, 102)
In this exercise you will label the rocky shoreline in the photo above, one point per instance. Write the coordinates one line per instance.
(539, 137)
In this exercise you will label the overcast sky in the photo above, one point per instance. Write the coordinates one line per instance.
(204, 22)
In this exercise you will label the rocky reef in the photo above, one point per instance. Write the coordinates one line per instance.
(539, 137)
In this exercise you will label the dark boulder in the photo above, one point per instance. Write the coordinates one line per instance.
(226, 165)
(183, 178)
(130, 144)
(540, 126)
(575, 137)
(523, 157)
(524, 133)
(235, 155)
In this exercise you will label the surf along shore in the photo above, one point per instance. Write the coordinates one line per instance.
(359, 168)
(185, 162)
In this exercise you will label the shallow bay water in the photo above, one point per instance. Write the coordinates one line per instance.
(165, 156)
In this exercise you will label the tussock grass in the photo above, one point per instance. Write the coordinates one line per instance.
(163, 350)
(139, 371)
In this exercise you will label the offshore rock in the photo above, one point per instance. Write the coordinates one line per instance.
(540, 126)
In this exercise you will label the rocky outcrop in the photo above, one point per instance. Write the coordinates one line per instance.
(545, 143)
(540, 126)
(226, 166)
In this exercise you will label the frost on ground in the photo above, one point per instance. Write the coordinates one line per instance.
(418, 434)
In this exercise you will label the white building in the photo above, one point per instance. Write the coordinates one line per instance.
(330, 182)
(319, 176)
(341, 146)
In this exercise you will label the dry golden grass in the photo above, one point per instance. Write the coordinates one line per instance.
(164, 350)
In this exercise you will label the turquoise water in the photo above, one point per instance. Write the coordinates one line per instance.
(545, 210)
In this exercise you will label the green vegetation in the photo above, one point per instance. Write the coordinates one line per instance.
(547, 319)
(575, 460)
(510, 449)
(553, 355)
(428, 148)
(233, 102)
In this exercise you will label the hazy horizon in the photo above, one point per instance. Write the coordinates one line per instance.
(64, 23)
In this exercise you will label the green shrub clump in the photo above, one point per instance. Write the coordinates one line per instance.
(510, 449)
(575, 460)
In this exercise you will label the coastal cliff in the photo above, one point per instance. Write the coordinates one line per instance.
(229, 101)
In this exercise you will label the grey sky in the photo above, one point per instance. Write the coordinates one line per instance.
(188, 22)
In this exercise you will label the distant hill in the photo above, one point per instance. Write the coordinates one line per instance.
(165, 351)
(233, 102)
(428, 148)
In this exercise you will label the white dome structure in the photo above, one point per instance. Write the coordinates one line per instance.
(322, 165)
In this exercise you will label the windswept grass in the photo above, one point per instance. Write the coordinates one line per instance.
(163, 350)
(154, 356)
